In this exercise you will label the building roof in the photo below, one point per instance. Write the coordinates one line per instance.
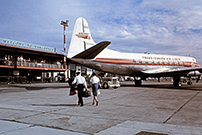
(29, 53)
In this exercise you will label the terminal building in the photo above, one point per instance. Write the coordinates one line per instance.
(22, 62)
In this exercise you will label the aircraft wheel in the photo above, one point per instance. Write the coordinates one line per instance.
(189, 83)
(105, 86)
(177, 84)
(176, 81)
(138, 82)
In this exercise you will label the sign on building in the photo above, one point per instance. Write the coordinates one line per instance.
(26, 45)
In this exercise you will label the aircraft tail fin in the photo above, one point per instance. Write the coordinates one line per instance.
(92, 52)
(81, 38)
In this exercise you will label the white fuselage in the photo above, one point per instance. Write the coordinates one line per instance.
(132, 64)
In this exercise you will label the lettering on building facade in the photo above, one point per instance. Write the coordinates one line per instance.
(27, 45)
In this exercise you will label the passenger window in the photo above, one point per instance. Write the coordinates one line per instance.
(165, 63)
(134, 62)
(140, 62)
(179, 63)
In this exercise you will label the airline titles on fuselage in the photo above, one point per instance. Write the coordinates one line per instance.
(160, 58)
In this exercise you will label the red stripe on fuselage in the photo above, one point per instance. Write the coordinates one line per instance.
(160, 63)
(114, 61)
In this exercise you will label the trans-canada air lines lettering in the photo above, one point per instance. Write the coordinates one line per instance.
(160, 58)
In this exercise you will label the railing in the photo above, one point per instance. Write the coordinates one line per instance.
(31, 64)
(6, 62)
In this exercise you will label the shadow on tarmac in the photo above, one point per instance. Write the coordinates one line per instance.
(194, 87)
(54, 104)
(41, 88)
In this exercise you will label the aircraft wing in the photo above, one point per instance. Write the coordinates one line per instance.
(92, 52)
(172, 71)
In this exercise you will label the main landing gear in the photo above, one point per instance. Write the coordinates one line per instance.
(176, 81)
(138, 81)
(189, 82)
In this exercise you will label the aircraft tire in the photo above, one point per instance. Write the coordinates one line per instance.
(189, 83)
(138, 82)
(105, 86)
(176, 81)
(177, 84)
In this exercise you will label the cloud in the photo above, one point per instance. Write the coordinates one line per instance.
(157, 26)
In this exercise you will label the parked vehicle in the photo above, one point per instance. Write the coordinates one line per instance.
(107, 82)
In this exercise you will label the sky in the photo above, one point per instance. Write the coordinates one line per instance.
(154, 26)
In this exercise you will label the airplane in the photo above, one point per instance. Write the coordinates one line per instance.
(84, 51)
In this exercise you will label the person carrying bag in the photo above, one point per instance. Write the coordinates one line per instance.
(81, 84)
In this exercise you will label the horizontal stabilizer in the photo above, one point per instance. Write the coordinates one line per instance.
(92, 52)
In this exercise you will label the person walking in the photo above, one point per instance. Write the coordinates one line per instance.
(95, 81)
(81, 83)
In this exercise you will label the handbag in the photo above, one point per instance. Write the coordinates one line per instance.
(71, 93)
(98, 92)
(86, 93)
(73, 90)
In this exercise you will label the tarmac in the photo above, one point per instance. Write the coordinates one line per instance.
(152, 109)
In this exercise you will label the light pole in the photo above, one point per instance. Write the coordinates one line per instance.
(65, 24)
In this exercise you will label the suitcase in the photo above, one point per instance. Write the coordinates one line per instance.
(86, 93)
(73, 90)
(71, 93)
